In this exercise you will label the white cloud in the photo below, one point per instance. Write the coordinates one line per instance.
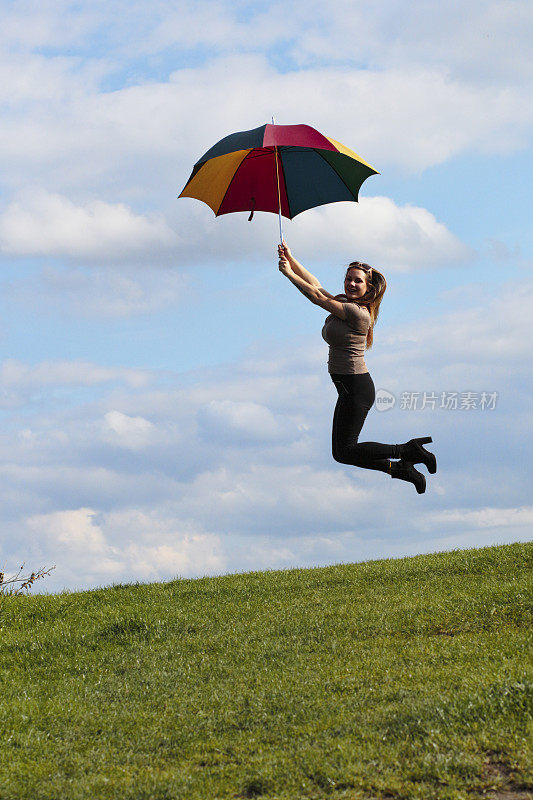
(156, 543)
(400, 238)
(46, 224)
(116, 473)
(178, 504)
(98, 292)
(437, 117)
(93, 547)
(133, 433)
(273, 499)
(484, 42)
(15, 375)
(474, 342)
(45, 23)
(34, 79)
(194, 555)
(397, 84)
(75, 529)
(138, 143)
(488, 40)
(404, 238)
(481, 518)
(227, 420)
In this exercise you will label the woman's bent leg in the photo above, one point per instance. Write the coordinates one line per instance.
(356, 397)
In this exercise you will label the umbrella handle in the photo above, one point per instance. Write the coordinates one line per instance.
(279, 198)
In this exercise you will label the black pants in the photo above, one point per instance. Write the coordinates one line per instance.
(356, 397)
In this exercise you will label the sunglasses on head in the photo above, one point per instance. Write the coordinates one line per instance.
(359, 265)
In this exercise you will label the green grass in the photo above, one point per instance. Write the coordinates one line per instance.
(403, 678)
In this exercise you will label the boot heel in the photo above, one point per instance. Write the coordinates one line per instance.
(405, 471)
(414, 452)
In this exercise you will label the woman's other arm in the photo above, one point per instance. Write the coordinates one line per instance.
(301, 271)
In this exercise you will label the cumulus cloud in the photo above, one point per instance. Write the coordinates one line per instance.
(149, 133)
(404, 238)
(481, 518)
(24, 383)
(133, 433)
(438, 117)
(119, 473)
(32, 24)
(488, 41)
(482, 340)
(16, 375)
(113, 162)
(225, 420)
(94, 547)
(45, 224)
(75, 529)
(401, 238)
(276, 499)
(165, 477)
(474, 43)
(98, 292)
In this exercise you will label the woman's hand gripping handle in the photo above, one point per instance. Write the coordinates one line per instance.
(284, 255)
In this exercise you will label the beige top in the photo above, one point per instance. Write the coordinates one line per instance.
(347, 338)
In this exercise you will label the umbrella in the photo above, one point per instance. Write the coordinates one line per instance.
(285, 169)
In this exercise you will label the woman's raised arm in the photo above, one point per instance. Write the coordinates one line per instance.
(314, 293)
(301, 271)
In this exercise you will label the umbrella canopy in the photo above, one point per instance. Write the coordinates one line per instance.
(278, 168)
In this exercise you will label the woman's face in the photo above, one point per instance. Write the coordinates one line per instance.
(355, 284)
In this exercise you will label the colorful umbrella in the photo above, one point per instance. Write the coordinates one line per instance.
(285, 169)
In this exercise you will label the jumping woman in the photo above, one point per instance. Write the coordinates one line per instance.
(348, 330)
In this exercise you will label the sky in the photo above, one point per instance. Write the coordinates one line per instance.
(164, 397)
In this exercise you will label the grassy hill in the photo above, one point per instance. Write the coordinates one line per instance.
(389, 679)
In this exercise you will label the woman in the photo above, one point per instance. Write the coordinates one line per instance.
(348, 330)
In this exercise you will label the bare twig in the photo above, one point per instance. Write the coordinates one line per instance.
(20, 583)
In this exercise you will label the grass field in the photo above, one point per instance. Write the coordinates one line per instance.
(404, 678)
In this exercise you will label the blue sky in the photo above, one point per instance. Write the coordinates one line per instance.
(165, 402)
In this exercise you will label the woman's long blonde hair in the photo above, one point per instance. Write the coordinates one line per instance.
(374, 294)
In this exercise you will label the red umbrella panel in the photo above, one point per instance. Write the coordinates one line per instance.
(276, 167)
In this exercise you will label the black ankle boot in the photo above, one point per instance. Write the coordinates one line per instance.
(405, 471)
(414, 452)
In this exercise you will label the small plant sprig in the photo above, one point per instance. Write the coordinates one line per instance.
(19, 583)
